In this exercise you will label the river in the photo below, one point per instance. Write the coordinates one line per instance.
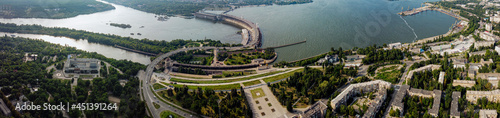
(323, 23)
(108, 51)
(335, 23)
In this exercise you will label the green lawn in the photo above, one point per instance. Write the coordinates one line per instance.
(86, 76)
(250, 83)
(389, 76)
(257, 93)
(191, 77)
(388, 68)
(220, 87)
(278, 77)
(238, 60)
(233, 74)
(166, 114)
(158, 86)
(193, 44)
(223, 81)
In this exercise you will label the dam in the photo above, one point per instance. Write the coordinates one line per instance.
(254, 41)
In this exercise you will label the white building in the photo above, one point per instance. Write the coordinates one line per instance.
(484, 43)
(488, 36)
(497, 48)
(495, 19)
(486, 113)
(441, 77)
(488, 26)
(394, 45)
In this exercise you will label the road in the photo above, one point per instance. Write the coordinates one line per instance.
(149, 96)
(235, 82)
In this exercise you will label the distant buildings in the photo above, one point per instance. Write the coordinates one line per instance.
(493, 96)
(488, 36)
(397, 103)
(488, 26)
(404, 90)
(317, 110)
(394, 45)
(354, 61)
(493, 78)
(485, 113)
(441, 77)
(436, 94)
(497, 48)
(495, 19)
(82, 66)
(487, 43)
(454, 105)
(464, 83)
(359, 88)
(329, 59)
(29, 57)
(428, 67)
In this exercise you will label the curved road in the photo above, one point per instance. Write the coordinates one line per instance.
(149, 96)
(236, 82)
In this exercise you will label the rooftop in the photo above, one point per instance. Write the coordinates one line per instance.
(398, 99)
(437, 101)
(454, 104)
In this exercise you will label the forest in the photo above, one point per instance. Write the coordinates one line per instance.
(311, 84)
(374, 55)
(54, 9)
(198, 57)
(233, 103)
(163, 7)
(13, 71)
(124, 26)
(146, 45)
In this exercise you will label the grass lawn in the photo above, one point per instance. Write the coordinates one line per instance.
(250, 83)
(187, 76)
(86, 76)
(278, 77)
(233, 74)
(238, 60)
(220, 87)
(257, 93)
(193, 44)
(223, 81)
(156, 105)
(388, 68)
(167, 114)
(389, 76)
(158, 86)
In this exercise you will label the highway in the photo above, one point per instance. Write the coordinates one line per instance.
(149, 96)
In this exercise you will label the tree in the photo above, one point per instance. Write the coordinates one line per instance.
(289, 106)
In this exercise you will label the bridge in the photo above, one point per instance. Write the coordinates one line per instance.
(253, 29)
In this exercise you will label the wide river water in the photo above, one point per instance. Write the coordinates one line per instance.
(108, 51)
(323, 23)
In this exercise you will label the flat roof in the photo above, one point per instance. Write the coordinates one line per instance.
(454, 103)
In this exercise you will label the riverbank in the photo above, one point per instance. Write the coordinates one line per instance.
(51, 9)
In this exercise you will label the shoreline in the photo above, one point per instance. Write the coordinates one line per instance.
(423, 9)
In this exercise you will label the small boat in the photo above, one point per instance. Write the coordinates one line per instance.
(131, 33)
(141, 27)
(139, 34)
